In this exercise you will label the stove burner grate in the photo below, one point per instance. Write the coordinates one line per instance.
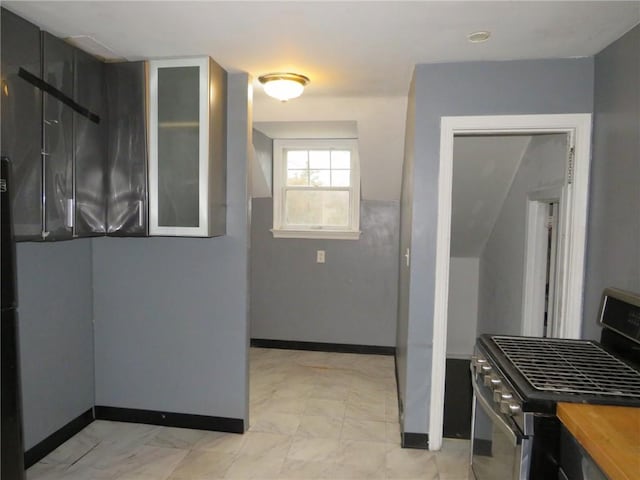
(570, 366)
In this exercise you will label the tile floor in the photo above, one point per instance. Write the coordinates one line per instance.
(314, 415)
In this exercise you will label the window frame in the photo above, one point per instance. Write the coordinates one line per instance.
(280, 229)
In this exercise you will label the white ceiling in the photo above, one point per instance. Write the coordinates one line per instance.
(359, 55)
(346, 48)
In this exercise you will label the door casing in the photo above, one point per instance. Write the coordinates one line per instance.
(573, 235)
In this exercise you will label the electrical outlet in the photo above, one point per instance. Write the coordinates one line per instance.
(320, 256)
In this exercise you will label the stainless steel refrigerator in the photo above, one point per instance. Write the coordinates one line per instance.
(11, 440)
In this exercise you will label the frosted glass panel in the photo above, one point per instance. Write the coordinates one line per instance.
(309, 207)
(178, 147)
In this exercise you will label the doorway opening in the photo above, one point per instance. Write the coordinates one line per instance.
(548, 319)
(570, 232)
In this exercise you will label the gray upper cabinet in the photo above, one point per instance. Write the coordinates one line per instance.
(58, 147)
(187, 147)
(126, 148)
(89, 146)
(123, 149)
(53, 133)
(73, 142)
(22, 122)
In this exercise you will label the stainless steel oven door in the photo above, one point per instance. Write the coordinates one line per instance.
(499, 450)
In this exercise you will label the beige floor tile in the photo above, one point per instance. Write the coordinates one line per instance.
(76, 472)
(108, 461)
(330, 392)
(320, 427)
(411, 463)
(176, 437)
(392, 433)
(453, 462)
(220, 442)
(366, 410)
(291, 405)
(131, 433)
(308, 377)
(259, 443)
(154, 463)
(363, 454)
(283, 423)
(255, 467)
(324, 407)
(301, 470)
(448, 476)
(391, 411)
(314, 449)
(203, 465)
(46, 471)
(267, 378)
(314, 415)
(340, 471)
(293, 390)
(367, 396)
(71, 450)
(367, 430)
(260, 393)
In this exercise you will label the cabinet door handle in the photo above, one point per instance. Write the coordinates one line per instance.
(70, 214)
(140, 213)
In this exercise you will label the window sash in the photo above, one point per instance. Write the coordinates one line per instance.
(318, 226)
(281, 188)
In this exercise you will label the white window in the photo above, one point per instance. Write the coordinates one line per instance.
(316, 189)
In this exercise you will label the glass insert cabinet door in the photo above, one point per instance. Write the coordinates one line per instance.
(179, 137)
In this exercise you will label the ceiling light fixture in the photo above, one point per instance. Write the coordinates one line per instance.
(479, 37)
(283, 86)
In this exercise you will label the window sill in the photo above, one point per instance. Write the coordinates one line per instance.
(325, 234)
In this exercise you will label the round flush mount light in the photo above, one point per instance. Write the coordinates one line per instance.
(283, 86)
(479, 37)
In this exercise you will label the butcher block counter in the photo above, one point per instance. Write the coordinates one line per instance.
(610, 435)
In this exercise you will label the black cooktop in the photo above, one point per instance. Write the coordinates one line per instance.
(545, 371)
(571, 366)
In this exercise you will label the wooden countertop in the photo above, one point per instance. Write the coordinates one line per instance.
(611, 435)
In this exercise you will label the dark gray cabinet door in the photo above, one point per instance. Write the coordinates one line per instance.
(57, 71)
(89, 147)
(126, 149)
(22, 122)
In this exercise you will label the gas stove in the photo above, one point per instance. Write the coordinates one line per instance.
(544, 371)
(518, 382)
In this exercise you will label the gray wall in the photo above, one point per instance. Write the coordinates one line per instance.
(56, 335)
(462, 312)
(262, 165)
(403, 362)
(613, 235)
(349, 299)
(475, 88)
(171, 320)
(503, 257)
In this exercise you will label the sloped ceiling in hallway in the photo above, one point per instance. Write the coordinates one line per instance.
(483, 170)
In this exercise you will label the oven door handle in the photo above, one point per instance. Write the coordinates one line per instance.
(515, 437)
